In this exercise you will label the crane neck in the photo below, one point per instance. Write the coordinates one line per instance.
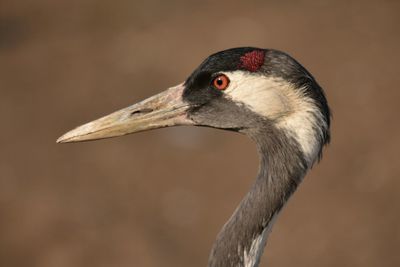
(242, 240)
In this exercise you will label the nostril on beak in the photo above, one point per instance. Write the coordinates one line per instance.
(141, 111)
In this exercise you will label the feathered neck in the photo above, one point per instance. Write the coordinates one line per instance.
(282, 166)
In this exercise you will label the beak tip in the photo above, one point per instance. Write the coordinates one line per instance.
(67, 138)
(61, 140)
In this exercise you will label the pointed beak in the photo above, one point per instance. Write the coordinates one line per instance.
(162, 110)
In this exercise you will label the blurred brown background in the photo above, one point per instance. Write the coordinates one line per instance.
(159, 198)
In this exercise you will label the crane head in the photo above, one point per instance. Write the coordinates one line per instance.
(242, 89)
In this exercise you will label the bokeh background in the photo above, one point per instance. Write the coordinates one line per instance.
(159, 198)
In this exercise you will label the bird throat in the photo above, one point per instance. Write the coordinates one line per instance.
(242, 240)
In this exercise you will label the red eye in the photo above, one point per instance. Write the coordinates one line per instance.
(221, 82)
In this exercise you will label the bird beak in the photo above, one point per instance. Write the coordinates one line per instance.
(162, 110)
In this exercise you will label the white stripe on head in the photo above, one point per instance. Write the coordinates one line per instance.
(279, 101)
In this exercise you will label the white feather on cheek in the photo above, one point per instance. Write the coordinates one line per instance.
(261, 94)
(281, 102)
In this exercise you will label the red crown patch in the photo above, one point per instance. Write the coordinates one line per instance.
(252, 61)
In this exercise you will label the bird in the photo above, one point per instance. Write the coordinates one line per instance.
(264, 94)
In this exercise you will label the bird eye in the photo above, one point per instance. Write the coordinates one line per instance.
(221, 82)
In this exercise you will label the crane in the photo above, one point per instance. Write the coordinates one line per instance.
(262, 93)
